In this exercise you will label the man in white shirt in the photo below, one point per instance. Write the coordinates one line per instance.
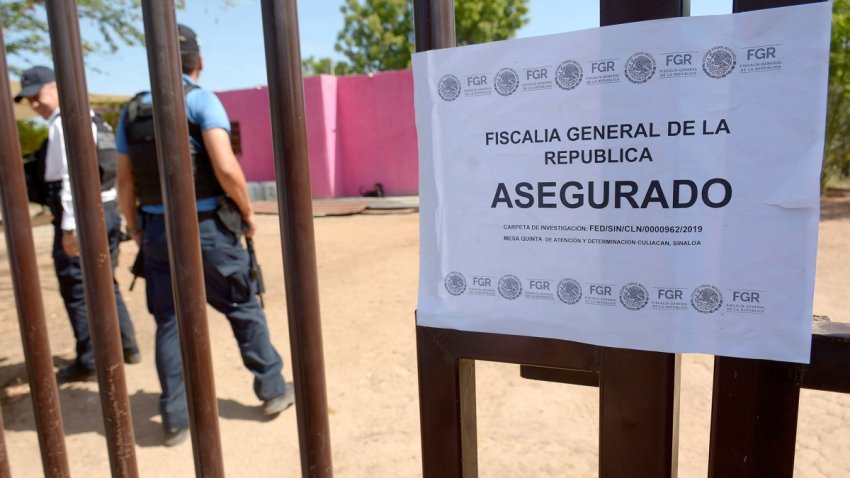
(38, 86)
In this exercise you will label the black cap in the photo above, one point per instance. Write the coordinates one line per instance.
(188, 40)
(33, 80)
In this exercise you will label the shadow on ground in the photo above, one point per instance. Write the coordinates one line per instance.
(81, 411)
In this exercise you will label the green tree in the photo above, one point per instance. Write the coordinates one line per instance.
(378, 34)
(480, 21)
(836, 161)
(26, 34)
(118, 22)
(311, 66)
(31, 133)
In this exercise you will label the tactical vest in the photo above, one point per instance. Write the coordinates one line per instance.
(141, 148)
(39, 190)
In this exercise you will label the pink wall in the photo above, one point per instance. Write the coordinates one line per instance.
(376, 133)
(320, 102)
(360, 131)
(251, 109)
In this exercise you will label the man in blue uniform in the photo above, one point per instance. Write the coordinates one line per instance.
(220, 188)
(38, 86)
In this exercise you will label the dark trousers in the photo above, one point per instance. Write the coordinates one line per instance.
(70, 275)
(230, 290)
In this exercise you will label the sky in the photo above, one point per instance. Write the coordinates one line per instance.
(231, 39)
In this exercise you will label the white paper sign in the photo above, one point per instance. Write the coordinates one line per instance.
(651, 185)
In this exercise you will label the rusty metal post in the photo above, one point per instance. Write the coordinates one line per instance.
(24, 268)
(5, 471)
(613, 12)
(753, 418)
(91, 232)
(639, 391)
(181, 224)
(638, 414)
(750, 5)
(447, 405)
(286, 96)
(434, 22)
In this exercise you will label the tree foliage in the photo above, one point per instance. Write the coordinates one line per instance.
(324, 66)
(378, 34)
(837, 151)
(26, 33)
(480, 21)
(31, 133)
(118, 22)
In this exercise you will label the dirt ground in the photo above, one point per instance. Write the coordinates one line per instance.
(368, 277)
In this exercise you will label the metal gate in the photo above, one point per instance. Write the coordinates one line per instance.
(280, 25)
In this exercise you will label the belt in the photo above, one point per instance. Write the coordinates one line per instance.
(201, 215)
(207, 215)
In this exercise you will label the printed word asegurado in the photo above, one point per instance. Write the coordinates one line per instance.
(681, 193)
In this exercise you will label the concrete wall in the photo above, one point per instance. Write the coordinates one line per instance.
(360, 131)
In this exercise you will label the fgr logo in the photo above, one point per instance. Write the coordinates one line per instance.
(600, 294)
(506, 81)
(634, 296)
(747, 302)
(640, 67)
(568, 75)
(719, 62)
(455, 283)
(481, 281)
(476, 80)
(678, 59)
(532, 74)
(602, 66)
(669, 294)
(747, 296)
(706, 299)
(569, 291)
(600, 289)
(539, 285)
(761, 53)
(510, 287)
(449, 88)
(761, 59)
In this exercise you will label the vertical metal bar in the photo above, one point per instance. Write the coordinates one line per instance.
(755, 403)
(613, 12)
(639, 391)
(24, 269)
(5, 471)
(753, 418)
(829, 369)
(750, 5)
(446, 409)
(286, 97)
(434, 22)
(638, 414)
(91, 232)
(446, 385)
(181, 224)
